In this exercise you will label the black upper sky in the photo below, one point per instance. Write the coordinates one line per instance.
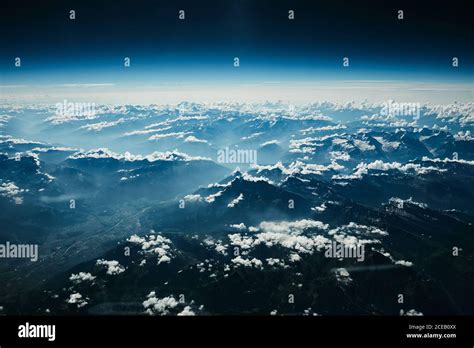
(214, 31)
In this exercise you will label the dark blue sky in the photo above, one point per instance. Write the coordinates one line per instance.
(55, 49)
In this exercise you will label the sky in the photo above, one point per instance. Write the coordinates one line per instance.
(198, 52)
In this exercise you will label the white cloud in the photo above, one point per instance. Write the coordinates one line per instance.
(240, 227)
(387, 145)
(447, 160)
(320, 208)
(146, 131)
(76, 298)
(400, 202)
(283, 234)
(193, 139)
(342, 275)
(174, 155)
(187, 311)
(239, 261)
(81, 277)
(323, 129)
(364, 168)
(411, 312)
(303, 244)
(236, 201)
(271, 142)
(218, 246)
(358, 229)
(211, 198)
(241, 241)
(294, 257)
(113, 267)
(275, 262)
(340, 155)
(193, 198)
(363, 145)
(289, 227)
(352, 235)
(97, 127)
(178, 135)
(10, 190)
(154, 305)
(464, 136)
(251, 136)
(154, 245)
(18, 141)
(404, 263)
(299, 167)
